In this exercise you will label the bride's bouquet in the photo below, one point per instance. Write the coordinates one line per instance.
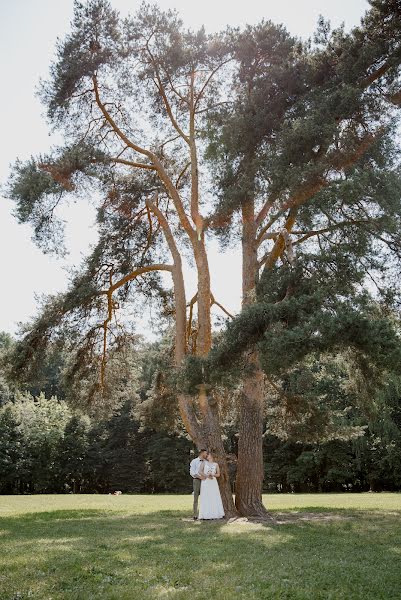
(212, 470)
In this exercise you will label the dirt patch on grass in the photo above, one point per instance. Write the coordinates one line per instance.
(278, 518)
(294, 516)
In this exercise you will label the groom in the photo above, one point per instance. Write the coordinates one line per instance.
(197, 478)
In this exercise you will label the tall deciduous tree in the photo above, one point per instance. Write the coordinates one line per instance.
(71, 453)
(11, 450)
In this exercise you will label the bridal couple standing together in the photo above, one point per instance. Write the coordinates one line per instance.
(204, 472)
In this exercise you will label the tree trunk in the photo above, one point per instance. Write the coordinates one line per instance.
(211, 421)
(249, 481)
(207, 404)
(250, 471)
(204, 337)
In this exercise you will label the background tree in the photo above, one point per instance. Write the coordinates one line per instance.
(41, 424)
(312, 443)
(6, 347)
(124, 451)
(71, 454)
(11, 451)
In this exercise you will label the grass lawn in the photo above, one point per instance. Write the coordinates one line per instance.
(323, 546)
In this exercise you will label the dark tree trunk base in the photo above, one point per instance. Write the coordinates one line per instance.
(249, 481)
(267, 518)
(252, 509)
(231, 514)
(215, 446)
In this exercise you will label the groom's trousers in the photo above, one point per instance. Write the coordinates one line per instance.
(197, 487)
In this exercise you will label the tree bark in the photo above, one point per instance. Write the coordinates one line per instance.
(249, 481)
(207, 404)
(209, 408)
(248, 488)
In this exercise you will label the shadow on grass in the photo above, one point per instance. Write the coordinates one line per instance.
(317, 553)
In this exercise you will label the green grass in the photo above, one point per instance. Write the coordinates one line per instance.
(324, 546)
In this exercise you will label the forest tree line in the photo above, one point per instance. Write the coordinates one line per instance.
(48, 446)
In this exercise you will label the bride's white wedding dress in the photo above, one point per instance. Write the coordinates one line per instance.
(211, 506)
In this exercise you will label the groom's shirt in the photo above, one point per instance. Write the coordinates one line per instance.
(195, 466)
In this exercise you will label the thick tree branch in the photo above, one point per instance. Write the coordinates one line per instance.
(196, 217)
(265, 209)
(280, 242)
(179, 287)
(135, 273)
(105, 328)
(115, 127)
(191, 308)
(343, 160)
(167, 231)
(304, 193)
(130, 163)
(162, 92)
(214, 301)
(171, 189)
(395, 98)
(339, 161)
(378, 72)
(263, 234)
(312, 233)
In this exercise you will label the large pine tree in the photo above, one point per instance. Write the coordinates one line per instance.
(300, 142)
(307, 164)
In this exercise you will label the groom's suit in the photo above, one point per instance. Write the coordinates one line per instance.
(194, 472)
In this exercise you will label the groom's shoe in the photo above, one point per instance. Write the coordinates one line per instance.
(195, 518)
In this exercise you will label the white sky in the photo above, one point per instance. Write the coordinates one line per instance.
(28, 32)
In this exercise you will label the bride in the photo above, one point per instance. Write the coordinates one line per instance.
(211, 506)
